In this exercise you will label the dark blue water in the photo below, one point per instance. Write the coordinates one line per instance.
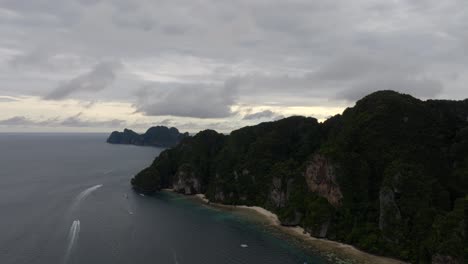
(66, 198)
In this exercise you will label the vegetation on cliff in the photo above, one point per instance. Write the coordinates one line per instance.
(389, 175)
(158, 136)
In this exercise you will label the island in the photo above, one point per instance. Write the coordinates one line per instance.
(388, 175)
(157, 136)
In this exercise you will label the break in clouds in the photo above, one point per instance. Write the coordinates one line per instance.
(214, 63)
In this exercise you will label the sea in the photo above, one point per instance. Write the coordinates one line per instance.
(66, 198)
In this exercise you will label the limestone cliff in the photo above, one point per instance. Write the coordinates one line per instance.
(186, 181)
(321, 179)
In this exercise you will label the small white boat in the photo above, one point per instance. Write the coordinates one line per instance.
(244, 245)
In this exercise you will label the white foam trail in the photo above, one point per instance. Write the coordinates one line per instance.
(174, 255)
(72, 239)
(87, 192)
(83, 195)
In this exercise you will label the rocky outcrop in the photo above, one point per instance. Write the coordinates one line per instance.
(323, 229)
(321, 179)
(158, 136)
(185, 181)
(126, 137)
(389, 211)
(278, 198)
(277, 194)
(219, 195)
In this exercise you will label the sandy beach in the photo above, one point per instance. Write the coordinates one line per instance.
(341, 253)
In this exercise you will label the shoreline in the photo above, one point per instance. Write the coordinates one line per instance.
(324, 246)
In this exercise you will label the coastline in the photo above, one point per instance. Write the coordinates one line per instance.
(324, 246)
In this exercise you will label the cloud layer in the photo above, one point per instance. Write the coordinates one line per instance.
(212, 60)
(72, 121)
(187, 100)
(265, 114)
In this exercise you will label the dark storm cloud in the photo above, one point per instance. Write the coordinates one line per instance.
(142, 21)
(166, 122)
(25, 121)
(365, 74)
(44, 58)
(352, 67)
(265, 114)
(193, 100)
(99, 78)
(17, 121)
(78, 121)
(72, 121)
(41, 14)
(89, 2)
(32, 58)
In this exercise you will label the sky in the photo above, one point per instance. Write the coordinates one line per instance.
(102, 65)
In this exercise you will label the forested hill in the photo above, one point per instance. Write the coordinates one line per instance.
(158, 136)
(389, 175)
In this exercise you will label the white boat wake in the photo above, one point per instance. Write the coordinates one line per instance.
(72, 239)
(87, 192)
(174, 255)
(83, 196)
(75, 227)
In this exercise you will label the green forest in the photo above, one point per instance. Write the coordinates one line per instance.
(388, 175)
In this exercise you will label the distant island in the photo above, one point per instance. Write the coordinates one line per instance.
(158, 136)
(389, 175)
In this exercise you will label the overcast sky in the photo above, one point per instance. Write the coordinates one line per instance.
(100, 65)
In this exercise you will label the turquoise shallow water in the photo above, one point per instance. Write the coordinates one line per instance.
(66, 198)
(249, 232)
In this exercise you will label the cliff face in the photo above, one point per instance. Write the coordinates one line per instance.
(126, 137)
(158, 136)
(321, 179)
(186, 181)
(388, 175)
